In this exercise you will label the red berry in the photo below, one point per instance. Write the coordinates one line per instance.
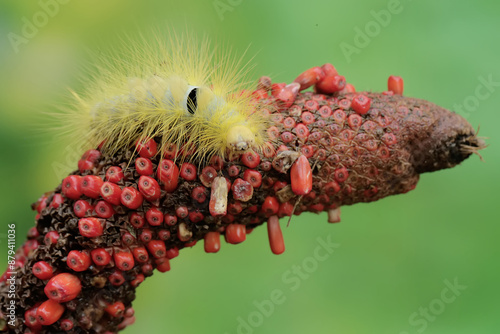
(116, 278)
(114, 174)
(301, 176)
(287, 137)
(331, 188)
(137, 220)
(146, 148)
(289, 123)
(49, 312)
(143, 166)
(207, 176)
(395, 84)
(162, 265)
(302, 131)
(253, 177)
(286, 97)
(349, 89)
(331, 84)
(116, 309)
(389, 139)
(111, 193)
(170, 219)
(127, 239)
(188, 171)
(212, 242)
(63, 288)
(104, 210)
(91, 186)
(137, 280)
(275, 235)
(168, 174)
(199, 194)
(250, 159)
(325, 111)
(57, 200)
(82, 208)
(307, 117)
(72, 187)
(233, 171)
(172, 252)
(131, 198)
(123, 260)
(140, 254)
(182, 212)
(31, 320)
(341, 174)
(354, 121)
(100, 256)
(149, 188)
(154, 216)
(242, 190)
(43, 270)
(157, 248)
(311, 105)
(361, 104)
(84, 165)
(51, 238)
(235, 208)
(195, 217)
(78, 261)
(235, 233)
(310, 77)
(67, 324)
(270, 206)
(164, 234)
(344, 104)
(286, 209)
(90, 227)
(91, 155)
(339, 116)
(146, 235)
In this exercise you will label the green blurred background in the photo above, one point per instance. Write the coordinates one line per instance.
(394, 256)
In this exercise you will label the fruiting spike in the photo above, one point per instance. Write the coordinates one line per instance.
(334, 215)
(218, 197)
(275, 235)
(395, 84)
(301, 176)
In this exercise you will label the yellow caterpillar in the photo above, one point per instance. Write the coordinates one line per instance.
(175, 88)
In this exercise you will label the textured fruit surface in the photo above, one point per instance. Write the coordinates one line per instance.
(324, 151)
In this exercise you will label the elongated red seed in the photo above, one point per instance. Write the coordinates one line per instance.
(275, 235)
(301, 176)
(212, 242)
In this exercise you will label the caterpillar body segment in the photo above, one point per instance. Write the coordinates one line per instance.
(179, 90)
